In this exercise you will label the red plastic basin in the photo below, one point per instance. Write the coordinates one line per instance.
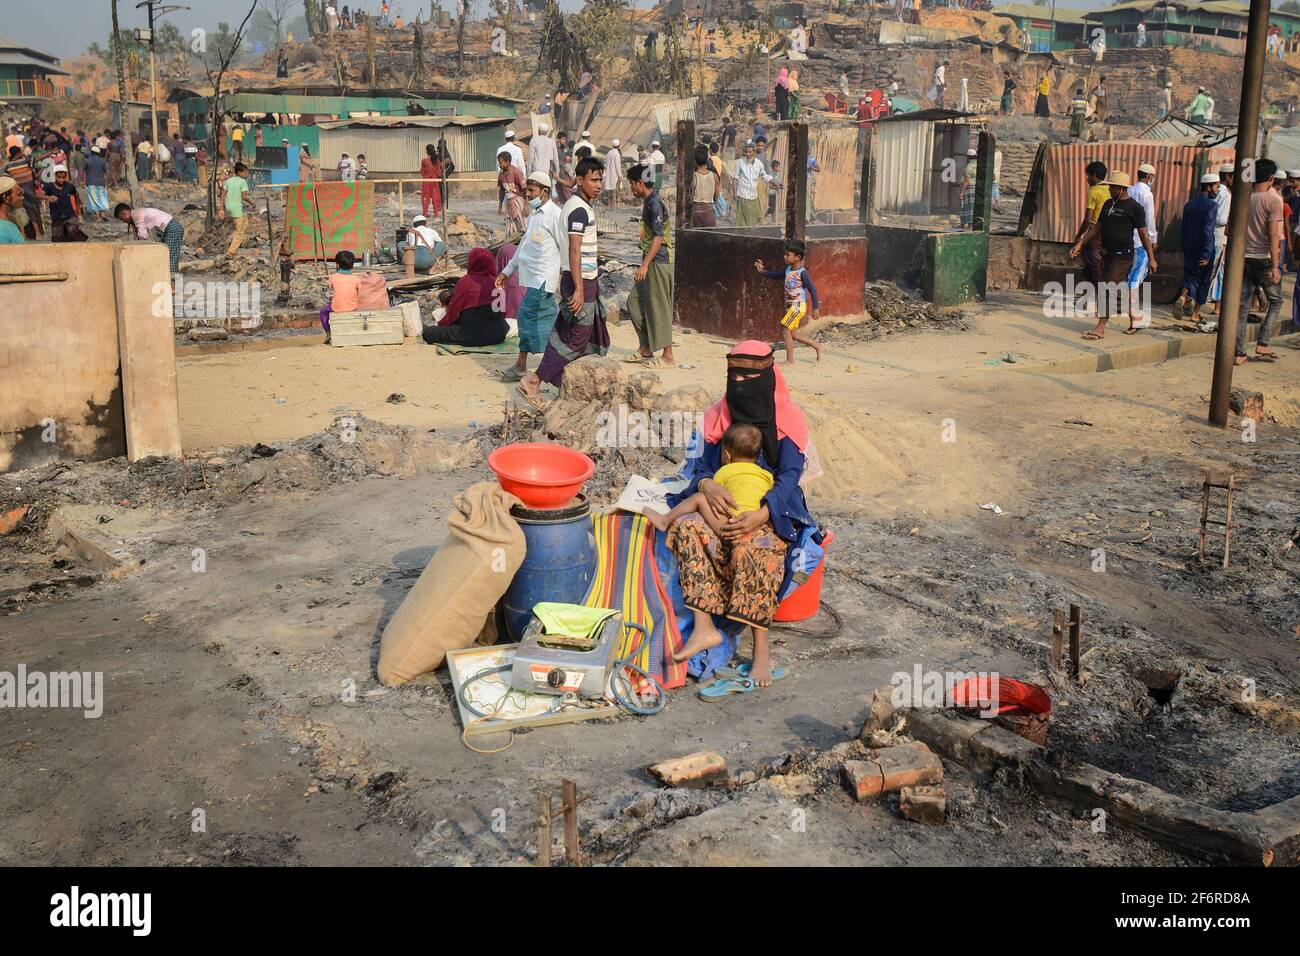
(541, 475)
(1003, 696)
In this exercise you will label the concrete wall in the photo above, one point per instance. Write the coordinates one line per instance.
(67, 342)
(718, 291)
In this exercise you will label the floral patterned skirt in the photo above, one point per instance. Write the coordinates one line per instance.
(739, 579)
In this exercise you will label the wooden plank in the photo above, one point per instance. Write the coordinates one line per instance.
(543, 829)
(572, 848)
(836, 150)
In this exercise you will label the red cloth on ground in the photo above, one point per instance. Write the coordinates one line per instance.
(475, 288)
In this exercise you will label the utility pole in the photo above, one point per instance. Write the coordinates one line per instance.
(1252, 87)
(153, 8)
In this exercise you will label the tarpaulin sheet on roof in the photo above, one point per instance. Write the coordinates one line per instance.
(1063, 194)
(322, 218)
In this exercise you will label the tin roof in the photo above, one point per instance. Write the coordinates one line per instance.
(637, 117)
(1062, 14)
(13, 53)
(407, 122)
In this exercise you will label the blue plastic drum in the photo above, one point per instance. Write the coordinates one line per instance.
(559, 563)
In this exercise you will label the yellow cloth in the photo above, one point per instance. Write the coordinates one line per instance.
(575, 620)
(1044, 86)
(746, 482)
(1098, 196)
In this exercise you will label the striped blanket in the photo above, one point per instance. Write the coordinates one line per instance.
(629, 578)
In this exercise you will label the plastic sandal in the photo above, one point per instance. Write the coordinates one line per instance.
(742, 670)
(722, 689)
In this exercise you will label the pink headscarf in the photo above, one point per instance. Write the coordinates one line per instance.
(790, 421)
(782, 78)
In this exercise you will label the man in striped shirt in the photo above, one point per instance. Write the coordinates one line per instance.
(580, 327)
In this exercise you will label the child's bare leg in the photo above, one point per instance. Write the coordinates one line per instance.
(703, 636)
(789, 346)
(811, 343)
(688, 506)
(760, 671)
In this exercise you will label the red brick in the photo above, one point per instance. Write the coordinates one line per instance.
(907, 765)
(694, 770)
(9, 520)
(863, 779)
(928, 805)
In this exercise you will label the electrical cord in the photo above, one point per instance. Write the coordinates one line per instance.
(620, 687)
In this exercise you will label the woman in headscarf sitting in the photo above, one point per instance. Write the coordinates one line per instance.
(740, 573)
(470, 318)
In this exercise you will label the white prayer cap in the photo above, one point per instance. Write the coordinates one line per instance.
(586, 133)
(1280, 174)
(541, 178)
(1147, 168)
(543, 128)
(510, 134)
(1209, 178)
(1226, 168)
(654, 142)
(418, 219)
(616, 144)
(60, 168)
(1293, 174)
(972, 151)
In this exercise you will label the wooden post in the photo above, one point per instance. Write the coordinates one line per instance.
(685, 171)
(1058, 636)
(796, 181)
(1076, 625)
(572, 851)
(867, 188)
(543, 829)
(983, 213)
(270, 233)
(401, 204)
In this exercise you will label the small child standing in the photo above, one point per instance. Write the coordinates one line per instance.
(363, 171)
(347, 172)
(799, 290)
(741, 475)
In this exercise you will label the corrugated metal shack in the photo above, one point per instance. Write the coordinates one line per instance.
(637, 118)
(394, 145)
(1060, 189)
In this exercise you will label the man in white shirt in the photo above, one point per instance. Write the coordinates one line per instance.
(613, 172)
(537, 262)
(1141, 192)
(940, 83)
(516, 153)
(749, 170)
(542, 154)
(1165, 103)
(426, 242)
(658, 160)
(584, 140)
(1223, 200)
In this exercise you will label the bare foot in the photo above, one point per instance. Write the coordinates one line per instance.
(818, 348)
(760, 671)
(666, 357)
(701, 640)
(1239, 360)
(789, 361)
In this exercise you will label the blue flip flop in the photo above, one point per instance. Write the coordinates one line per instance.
(742, 670)
(722, 689)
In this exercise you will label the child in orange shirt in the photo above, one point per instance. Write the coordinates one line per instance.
(346, 289)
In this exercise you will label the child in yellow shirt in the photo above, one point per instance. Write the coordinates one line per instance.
(744, 479)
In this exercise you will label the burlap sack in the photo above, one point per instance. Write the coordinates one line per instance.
(458, 588)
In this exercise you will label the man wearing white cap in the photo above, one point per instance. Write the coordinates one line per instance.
(515, 151)
(1223, 202)
(1196, 109)
(65, 207)
(613, 173)
(537, 262)
(542, 154)
(1165, 101)
(1198, 246)
(11, 201)
(584, 140)
(658, 160)
(1141, 192)
(426, 242)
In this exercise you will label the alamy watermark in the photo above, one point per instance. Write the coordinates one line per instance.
(64, 689)
(1071, 299)
(630, 428)
(195, 299)
(933, 688)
